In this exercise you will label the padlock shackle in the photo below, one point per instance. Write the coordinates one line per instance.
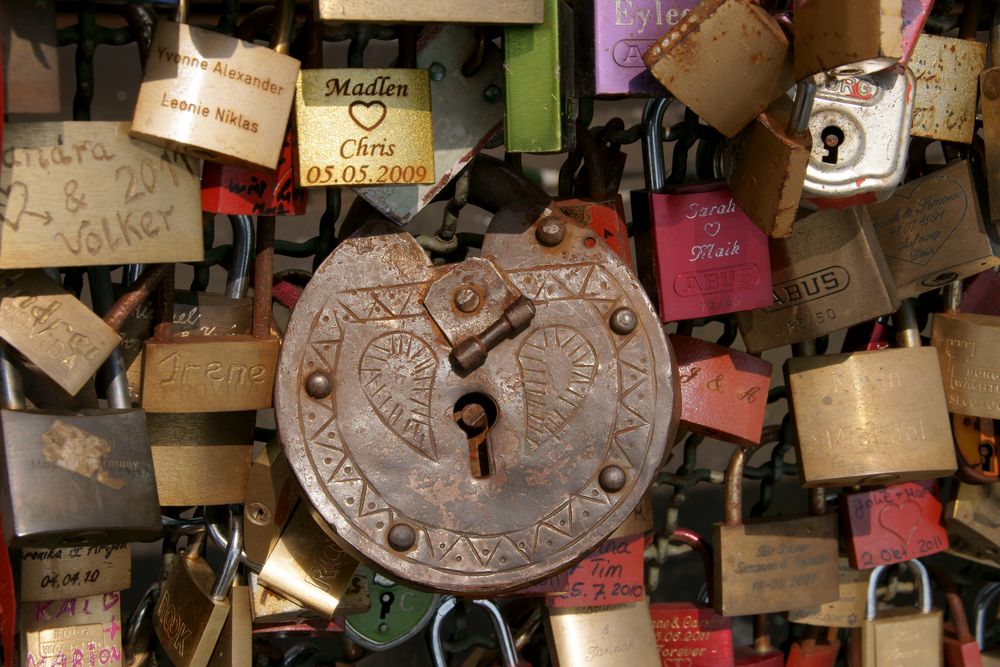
(923, 582)
(231, 564)
(221, 540)
(953, 296)
(817, 501)
(11, 383)
(140, 623)
(703, 549)
(653, 169)
(183, 11)
(114, 369)
(968, 24)
(995, 37)
(734, 488)
(985, 598)
(805, 96)
(505, 640)
(238, 280)
(907, 328)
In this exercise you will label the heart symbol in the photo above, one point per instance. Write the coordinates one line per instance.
(13, 202)
(712, 228)
(940, 196)
(557, 367)
(368, 115)
(901, 519)
(397, 372)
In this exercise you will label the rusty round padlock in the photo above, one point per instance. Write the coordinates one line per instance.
(476, 427)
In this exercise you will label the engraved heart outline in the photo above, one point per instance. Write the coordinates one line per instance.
(958, 222)
(712, 228)
(897, 516)
(364, 119)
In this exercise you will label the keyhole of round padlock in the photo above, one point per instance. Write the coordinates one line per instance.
(385, 601)
(475, 414)
(832, 137)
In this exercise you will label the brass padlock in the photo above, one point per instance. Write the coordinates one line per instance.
(725, 60)
(851, 409)
(96, 461)
(989, 85)
(972, 517)
(308, 567)
(194, 603)
(848, 610)
(828, 275)
(272, 494)
(947, 71)
(967, 344)
(83, 631)
(53, 329)
(773, 565)
(932, 231)
(64, 572)
(431, 11)
(769, 160)
(602, 636)
(234, 647)
(902, 638)
(873, 42)
(365, 126)
(268, 607)
(215, 96)
(367, 354)
(31, 54)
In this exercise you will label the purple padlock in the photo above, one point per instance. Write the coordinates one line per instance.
(612, 35)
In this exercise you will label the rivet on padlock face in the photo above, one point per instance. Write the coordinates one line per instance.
(459, 377)
(860, 130)
(215, 96)
(727, 87)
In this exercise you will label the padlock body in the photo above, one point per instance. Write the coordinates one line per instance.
(852, 410)
(434, 11)
(85, 630)
(190, 448)
(967, 346)
(241, 191)
(814, 655)
(214, 96)
(902, 638)
(848, 610)
(869, 117)
(271, 496)
(947, 71)
(692, 635)
(396, 613)
(893, 525)
(960, 653)
(873, 43)
(727, 87)
(772, 566)
(187, 621)
(975, 449)
(828, 275)
(768, 170)
(747, 657)
(538, 66)
(973, 517)
(700, 255)
(364, 127)
(723, 391)
(209, 374)
(57, 574)
(96, 462)
(234, 647)
(989, 84)
(607, 219)
(612, 36)
(602, 636)
(271, 608)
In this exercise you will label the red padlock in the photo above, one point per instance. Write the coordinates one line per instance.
(692, 634)
(812, 652)
(981, 294)
(960, 647)
(698, 253)
(723, 391)
(761, 653)
(607, 218)
(241, 191)
(892, 525)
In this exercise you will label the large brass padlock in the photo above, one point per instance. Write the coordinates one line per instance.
(214, 96)
(773, 565)
(967, 345)
(900, 637)
(972, 517)
(932, 231)
(727, 80)
(851, 409)
(476, 427)
(871, 41)
(828, 275)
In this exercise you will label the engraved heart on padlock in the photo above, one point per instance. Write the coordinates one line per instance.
(712, 228)
(14, 206)
(901, 519)
(367, 115)
(913, 236)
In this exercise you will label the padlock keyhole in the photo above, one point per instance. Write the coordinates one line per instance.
(986, 453)
(832, 137)
(385, 603)
(475, 414)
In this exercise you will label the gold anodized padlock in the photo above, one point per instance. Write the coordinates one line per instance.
(235, 645)
(853, 412)
(602, 636)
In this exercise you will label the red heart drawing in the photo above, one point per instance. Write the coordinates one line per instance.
(901, 519)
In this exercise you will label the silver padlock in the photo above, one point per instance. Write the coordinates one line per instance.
(505, 640)
(861, 135)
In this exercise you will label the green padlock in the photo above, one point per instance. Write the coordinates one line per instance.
(396, 614)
